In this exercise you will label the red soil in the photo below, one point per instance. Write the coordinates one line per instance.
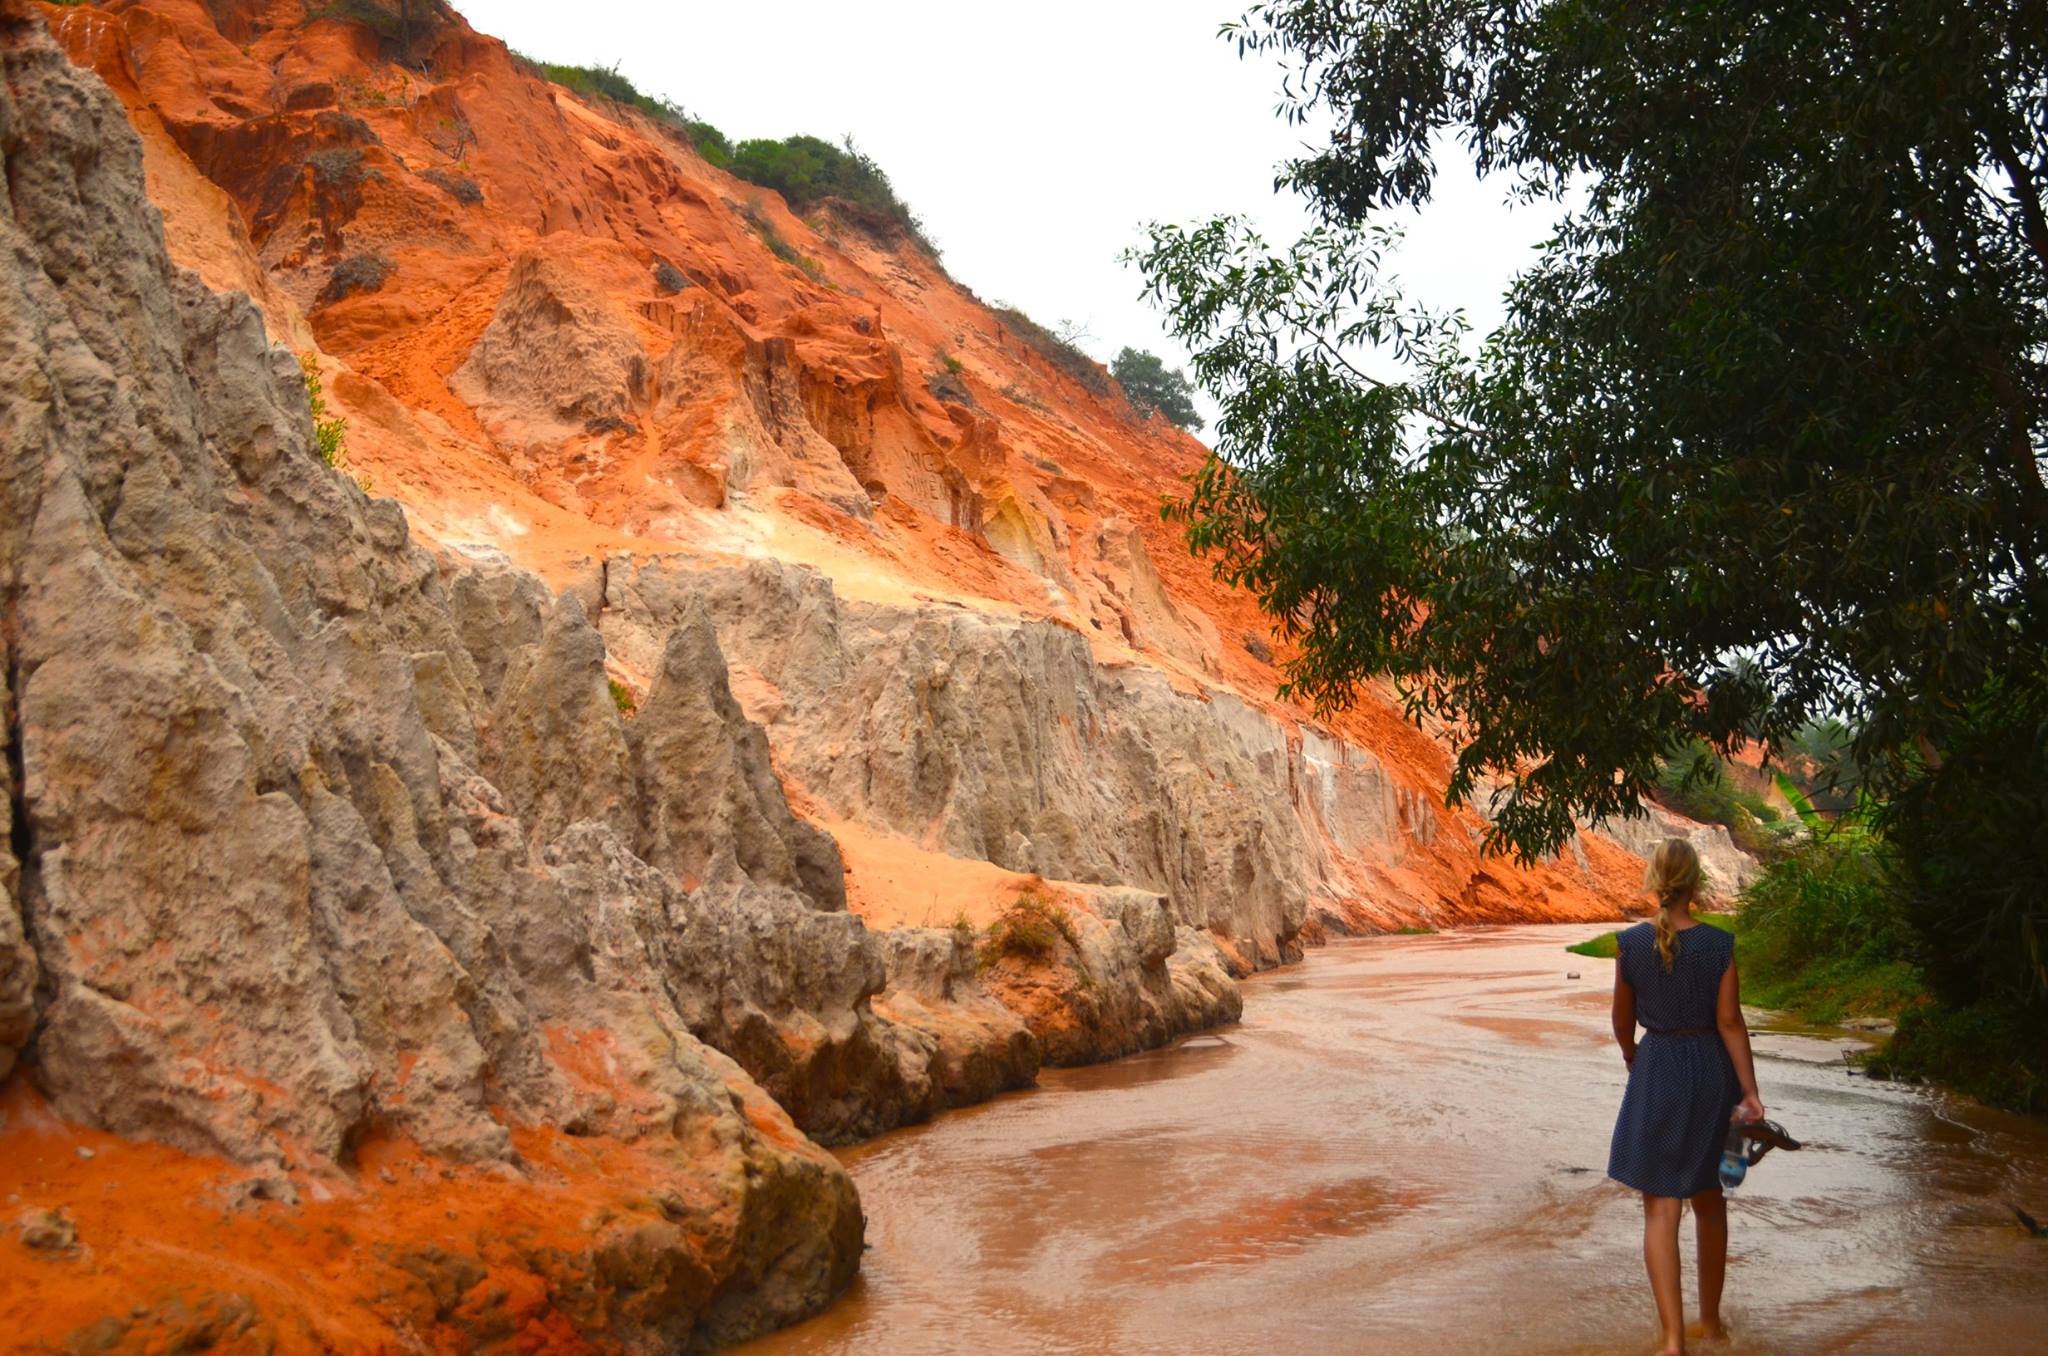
(403, 1254)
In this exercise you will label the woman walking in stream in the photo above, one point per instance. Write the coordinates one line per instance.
(1691, 1077)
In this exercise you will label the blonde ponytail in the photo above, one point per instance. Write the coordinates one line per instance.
(1667, 938)
(1674, 877)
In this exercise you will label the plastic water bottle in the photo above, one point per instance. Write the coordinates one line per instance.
(1734, 1159)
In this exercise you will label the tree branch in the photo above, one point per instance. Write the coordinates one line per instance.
(2024, 193)
(1336, 355)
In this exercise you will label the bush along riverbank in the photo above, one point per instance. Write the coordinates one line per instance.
(1825, 936)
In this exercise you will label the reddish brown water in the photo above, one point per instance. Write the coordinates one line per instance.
(1402, 1149)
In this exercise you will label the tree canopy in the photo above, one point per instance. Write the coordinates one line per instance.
(1152, 385)
(1760, 440)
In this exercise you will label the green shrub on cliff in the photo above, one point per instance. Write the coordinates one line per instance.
(401, 26)
(327, 433)
(606, 82)
(1153, 386)
(809, 172)
(336, 168)
(1058, 349)
(708, 141)
(363, 272)
(1699, 785)
(1031, 929)
(756, 216)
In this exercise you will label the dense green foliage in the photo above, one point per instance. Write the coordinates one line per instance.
(1059, 350)
(1990, 1049)
(1824, 935)
(1760, 441)
(1971, 834)
(709, 141)
(1152, 385)
(1773, 391)
(809, 172)
(1830, 931)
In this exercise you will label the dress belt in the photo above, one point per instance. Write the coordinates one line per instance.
(1682, 1031)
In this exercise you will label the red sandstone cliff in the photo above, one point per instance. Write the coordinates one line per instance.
(522, 384)
(902, 629)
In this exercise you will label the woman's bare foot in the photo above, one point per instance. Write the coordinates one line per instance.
(1711, 1334)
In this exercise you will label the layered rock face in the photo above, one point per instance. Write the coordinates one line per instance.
(263, 905)
(1727, 868)
(566, 342)
(1003, 740)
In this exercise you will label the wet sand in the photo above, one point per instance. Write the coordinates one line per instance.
(1402, 1148)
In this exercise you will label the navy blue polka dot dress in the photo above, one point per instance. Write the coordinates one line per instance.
(1674, 1116)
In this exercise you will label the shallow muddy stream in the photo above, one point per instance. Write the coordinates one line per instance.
(1402, 1149)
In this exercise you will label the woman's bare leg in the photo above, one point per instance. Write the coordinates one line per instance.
(1710, 1223)
(1660, 1259)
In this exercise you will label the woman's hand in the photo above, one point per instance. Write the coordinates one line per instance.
(1628, 1058)
(1750, 1109)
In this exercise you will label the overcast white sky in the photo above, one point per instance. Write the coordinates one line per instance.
(1034, 140)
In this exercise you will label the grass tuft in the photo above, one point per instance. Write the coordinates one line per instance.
(327, 433)
(1031, 929)
(1607, 946)
(363, 272)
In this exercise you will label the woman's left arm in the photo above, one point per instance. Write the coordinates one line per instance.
(1624, 1015)
(1735, 1035)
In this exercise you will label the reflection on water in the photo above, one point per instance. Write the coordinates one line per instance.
(1402, 1149)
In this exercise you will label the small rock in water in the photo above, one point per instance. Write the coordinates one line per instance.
(1571, 974)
